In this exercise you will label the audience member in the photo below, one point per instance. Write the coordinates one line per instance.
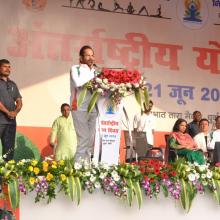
(184, 143)
(193, 126)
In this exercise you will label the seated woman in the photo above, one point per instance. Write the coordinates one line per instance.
(184, 143)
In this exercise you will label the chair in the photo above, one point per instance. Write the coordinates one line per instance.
(170, 153)
(141, 149)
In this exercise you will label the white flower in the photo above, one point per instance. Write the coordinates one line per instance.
(112, 89)
(98, 80)
(197, 175)
(105, 80)
(115, 176)
(102, 175)
(77, 166)
(99, 90)
(87, 173)
(128, 85)
(94, 171)
(196, 164)
(92, 179)
(202, 168)
(97, 185)
(191, 177)
(95, 163)
(209, 174)
(187, 169)
(136, 85)
(106, 166)
(203, 176)
(113, 84)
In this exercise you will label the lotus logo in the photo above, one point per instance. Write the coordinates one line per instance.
(192, 13)
(35, 4)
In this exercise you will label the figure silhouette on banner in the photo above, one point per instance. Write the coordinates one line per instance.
(130, 9)
(91, 3)
(117, 6)
(80, 2)
(100, 8)
(71, 3)
(159, 12)
(143, 9)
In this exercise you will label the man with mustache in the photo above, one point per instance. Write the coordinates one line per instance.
(10, 105)
(84, 121)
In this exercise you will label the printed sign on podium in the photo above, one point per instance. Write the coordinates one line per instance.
(108, 132)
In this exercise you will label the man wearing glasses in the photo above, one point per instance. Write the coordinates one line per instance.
(10, 105)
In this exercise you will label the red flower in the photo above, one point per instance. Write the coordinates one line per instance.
(152, 180)
(157, 171)
(173, 173)
(151, 162)
(146, 178)
(164, 176)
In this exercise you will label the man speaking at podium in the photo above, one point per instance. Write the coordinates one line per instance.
(84, 121)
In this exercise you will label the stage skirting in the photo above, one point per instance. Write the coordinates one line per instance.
(98, 206)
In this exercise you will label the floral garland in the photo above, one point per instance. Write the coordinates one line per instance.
(115, 84)
(180, 180)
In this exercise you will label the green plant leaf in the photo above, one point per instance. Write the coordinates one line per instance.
(217, 191)
(146, 96)
(165, 191)
(93, 101)
(14, 193)
(82, 96)
(78, 190)
(184, 196)
(137, 93)
(130, 191)
(71, 186)
(138, 192)
(192, 194)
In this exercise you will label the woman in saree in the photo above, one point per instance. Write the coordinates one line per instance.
(184, 144)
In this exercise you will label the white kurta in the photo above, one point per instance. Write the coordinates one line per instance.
(146, 123)
(215, 138)
(200, 141)
(63, 131)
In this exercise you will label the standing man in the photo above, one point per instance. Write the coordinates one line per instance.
(193, 126)
(145, 121)
(84, 122)
(10, 105)
(64, 134)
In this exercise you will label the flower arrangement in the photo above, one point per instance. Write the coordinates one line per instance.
(180, 180)
(115, 84)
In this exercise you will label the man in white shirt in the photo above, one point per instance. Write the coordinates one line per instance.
(203, 138)
(145, 121)
(84, 121)
(215, 135)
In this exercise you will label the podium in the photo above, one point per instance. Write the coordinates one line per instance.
(108, 132)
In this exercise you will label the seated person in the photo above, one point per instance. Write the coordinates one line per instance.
(215, 135)
(63, 131)
(184, 143)
(203, 138)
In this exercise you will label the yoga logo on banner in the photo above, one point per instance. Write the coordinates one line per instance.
(192, 13)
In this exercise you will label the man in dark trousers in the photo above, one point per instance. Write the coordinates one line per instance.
(10, 105)
(193, 126)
